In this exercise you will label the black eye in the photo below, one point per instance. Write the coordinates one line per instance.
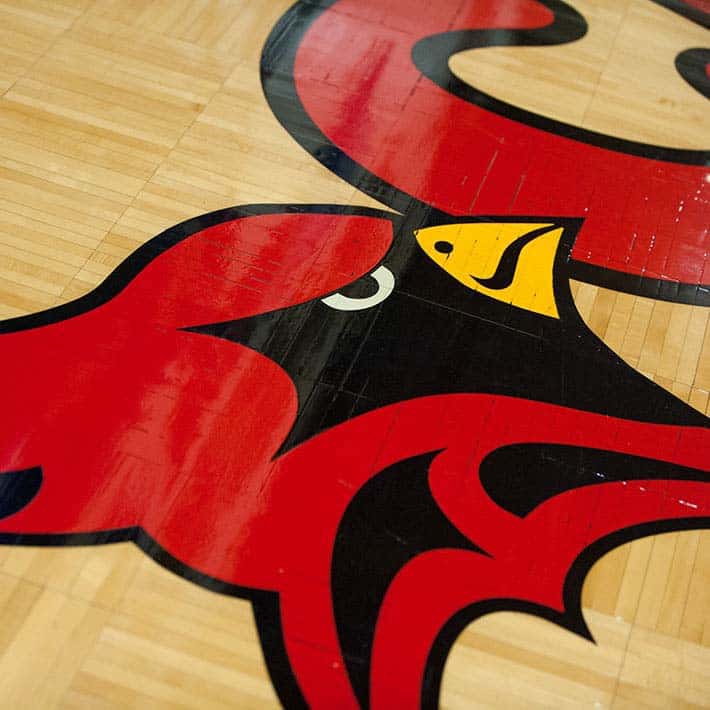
(444, 247)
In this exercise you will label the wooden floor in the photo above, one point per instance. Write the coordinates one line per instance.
(120, 118)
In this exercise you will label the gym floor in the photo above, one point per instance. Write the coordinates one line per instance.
(239, 466)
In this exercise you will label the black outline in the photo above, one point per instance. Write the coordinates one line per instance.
(276, 70)
(276, 73)
(267, 615)
(431, 56)
(133, 264)
(658, 289)
(571, 619)
(694, 14)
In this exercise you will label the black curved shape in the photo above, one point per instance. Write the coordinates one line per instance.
(18, 488)
(431, 56)
(571, 618)
(505, 272)
(684, 9)
(391, 520)
(659, 289)
(267, 615)
(130, 267)
(277, 80)
(520, 477)
(692, 66)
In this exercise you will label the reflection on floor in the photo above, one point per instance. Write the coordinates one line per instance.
(119, 121)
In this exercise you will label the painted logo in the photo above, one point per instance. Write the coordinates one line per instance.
(376, 426)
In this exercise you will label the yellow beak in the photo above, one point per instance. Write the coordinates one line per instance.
(511, 262)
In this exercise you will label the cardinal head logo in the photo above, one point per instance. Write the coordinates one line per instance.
(376, 425)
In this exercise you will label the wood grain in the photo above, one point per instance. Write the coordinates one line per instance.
(119, 118)
(619, 79)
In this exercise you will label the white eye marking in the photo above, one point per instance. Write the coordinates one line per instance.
(385, 285)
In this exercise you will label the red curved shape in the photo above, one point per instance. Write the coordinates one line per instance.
(467, 427)
(119, 406)
(356, 80)
(138, 423)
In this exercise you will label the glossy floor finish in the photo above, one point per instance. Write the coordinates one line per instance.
(354, 354)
